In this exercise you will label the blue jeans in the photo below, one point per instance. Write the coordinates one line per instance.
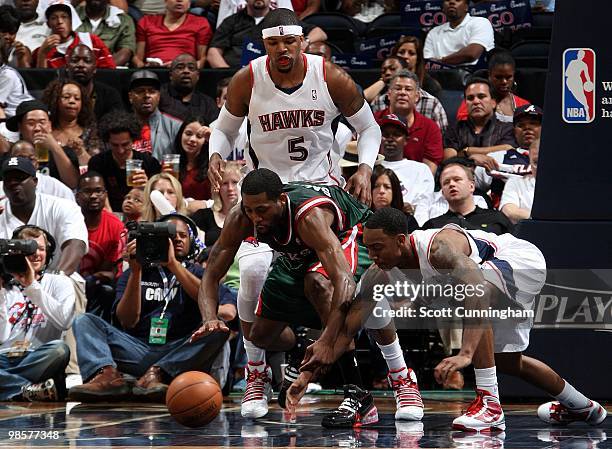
(45, 362)
(99, 344)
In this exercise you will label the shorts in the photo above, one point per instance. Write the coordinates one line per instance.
(282, 298)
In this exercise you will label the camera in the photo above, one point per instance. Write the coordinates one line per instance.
(151, 240)
(13, 252)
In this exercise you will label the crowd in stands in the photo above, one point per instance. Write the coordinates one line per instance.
(80, 166)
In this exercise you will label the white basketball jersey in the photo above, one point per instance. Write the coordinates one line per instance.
(292, 134)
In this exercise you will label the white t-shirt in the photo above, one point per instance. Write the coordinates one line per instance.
(229, 7)
(54, 299)
(444, 40)
(49, 185)
(32, 34)
(519, 191)
(61, 218)
(13, 89)
(416, 180)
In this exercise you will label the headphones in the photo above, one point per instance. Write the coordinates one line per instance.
(51, 244)
(195, 245)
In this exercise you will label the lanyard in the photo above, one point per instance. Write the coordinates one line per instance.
(167, 289)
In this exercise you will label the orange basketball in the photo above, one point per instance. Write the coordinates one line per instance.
(194, 399)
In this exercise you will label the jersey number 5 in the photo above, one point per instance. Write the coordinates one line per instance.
(297, 152)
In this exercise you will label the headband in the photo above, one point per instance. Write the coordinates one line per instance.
(282, 30)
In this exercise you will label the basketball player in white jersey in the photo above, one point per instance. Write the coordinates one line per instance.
(511, 272)
(291, 100)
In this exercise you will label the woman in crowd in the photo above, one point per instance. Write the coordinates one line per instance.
(71, 112)
(170, 188)
(387, 192)
(191, 143)
(501, 76)
(409, 48)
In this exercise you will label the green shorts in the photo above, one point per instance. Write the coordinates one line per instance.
(282, 297)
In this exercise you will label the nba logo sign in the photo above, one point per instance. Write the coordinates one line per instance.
(578, 99)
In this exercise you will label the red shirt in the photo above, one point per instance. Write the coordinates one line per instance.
(105, 243)
(424, 138)
(462, 112)
(104, 58)
(299, 6)
(198, 190)
(162, 43)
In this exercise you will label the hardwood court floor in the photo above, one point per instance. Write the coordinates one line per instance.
(130, 425)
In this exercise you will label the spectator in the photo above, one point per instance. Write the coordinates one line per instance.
(210, 220)
(501, 77)
(13, 89)
(481, 133)
(387, 192)
(132, 205)
(462, 39)
(228, 7)
(192, 144)
(410, 49)
(517, 199)
(226, 46)
(457, 186)
(527, 129)
(165, 36)
(170, 188)
(158, 130)
(304, 8)
(320, 48)
(35, 309)
(32, 121)
(72, 118)
(376, 94)
(416, 180)
(118, 131)
(14, 53)
(81, 67)
(61, 17)
(424, 143)
(24, 205)
(101, 264)
(105, 351)
(112, 25)
(33, 29)
(46, 184)
(180, 98)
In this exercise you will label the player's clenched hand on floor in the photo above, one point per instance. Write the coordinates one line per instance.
(319, 355)
(209, 327)
(449, 365)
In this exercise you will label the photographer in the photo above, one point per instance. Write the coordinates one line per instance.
(157, 309)
(35, 308)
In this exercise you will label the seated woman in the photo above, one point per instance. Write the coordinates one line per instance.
(387, 192)
(410, 49)
(71, 113)
(170, 188)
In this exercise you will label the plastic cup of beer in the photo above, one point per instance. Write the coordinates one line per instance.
(132, 166)
(42, 152)
(172, 160)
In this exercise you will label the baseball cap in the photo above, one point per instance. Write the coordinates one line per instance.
(21, 164)
(144, 78)
(528, 110)
(12, 124)
(392, 119)
(58, 4)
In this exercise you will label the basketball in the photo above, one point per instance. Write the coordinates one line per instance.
(588, 86)
(194, 399)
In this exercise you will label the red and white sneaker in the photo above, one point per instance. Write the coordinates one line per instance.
(258, 390)
(484, 414)
(556, 413)
(408, 400)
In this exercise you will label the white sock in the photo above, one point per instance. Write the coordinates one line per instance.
(572, 398)
(255, 355)
(393, 355)
(486, 379)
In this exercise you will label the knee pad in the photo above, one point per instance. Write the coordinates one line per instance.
(253, 271)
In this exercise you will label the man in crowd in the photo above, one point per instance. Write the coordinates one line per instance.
(118, 131)
(112, 25)
(180, 98)
(148, 297)
(158, 130)
(33, 29)
(462, 39)
(81, 67)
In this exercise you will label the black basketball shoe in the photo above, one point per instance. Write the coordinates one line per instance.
(356, 410)
(292, 370)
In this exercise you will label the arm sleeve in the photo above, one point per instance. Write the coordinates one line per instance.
(510, 194)
(506, 136)
(204, 34)
(368, 141)
(70, 224)
(4, 326)
(451, 139)
(482, 33)
(56, 300)
(224, 133)
(428, 51)
(127, 34)
(141, 34)
(223, 34)
(104, 58)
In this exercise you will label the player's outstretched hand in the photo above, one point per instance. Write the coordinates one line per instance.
(359, 186)
(296, 391)
(319, 355)
(216, 166)
(209, 327)
(448, 366)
